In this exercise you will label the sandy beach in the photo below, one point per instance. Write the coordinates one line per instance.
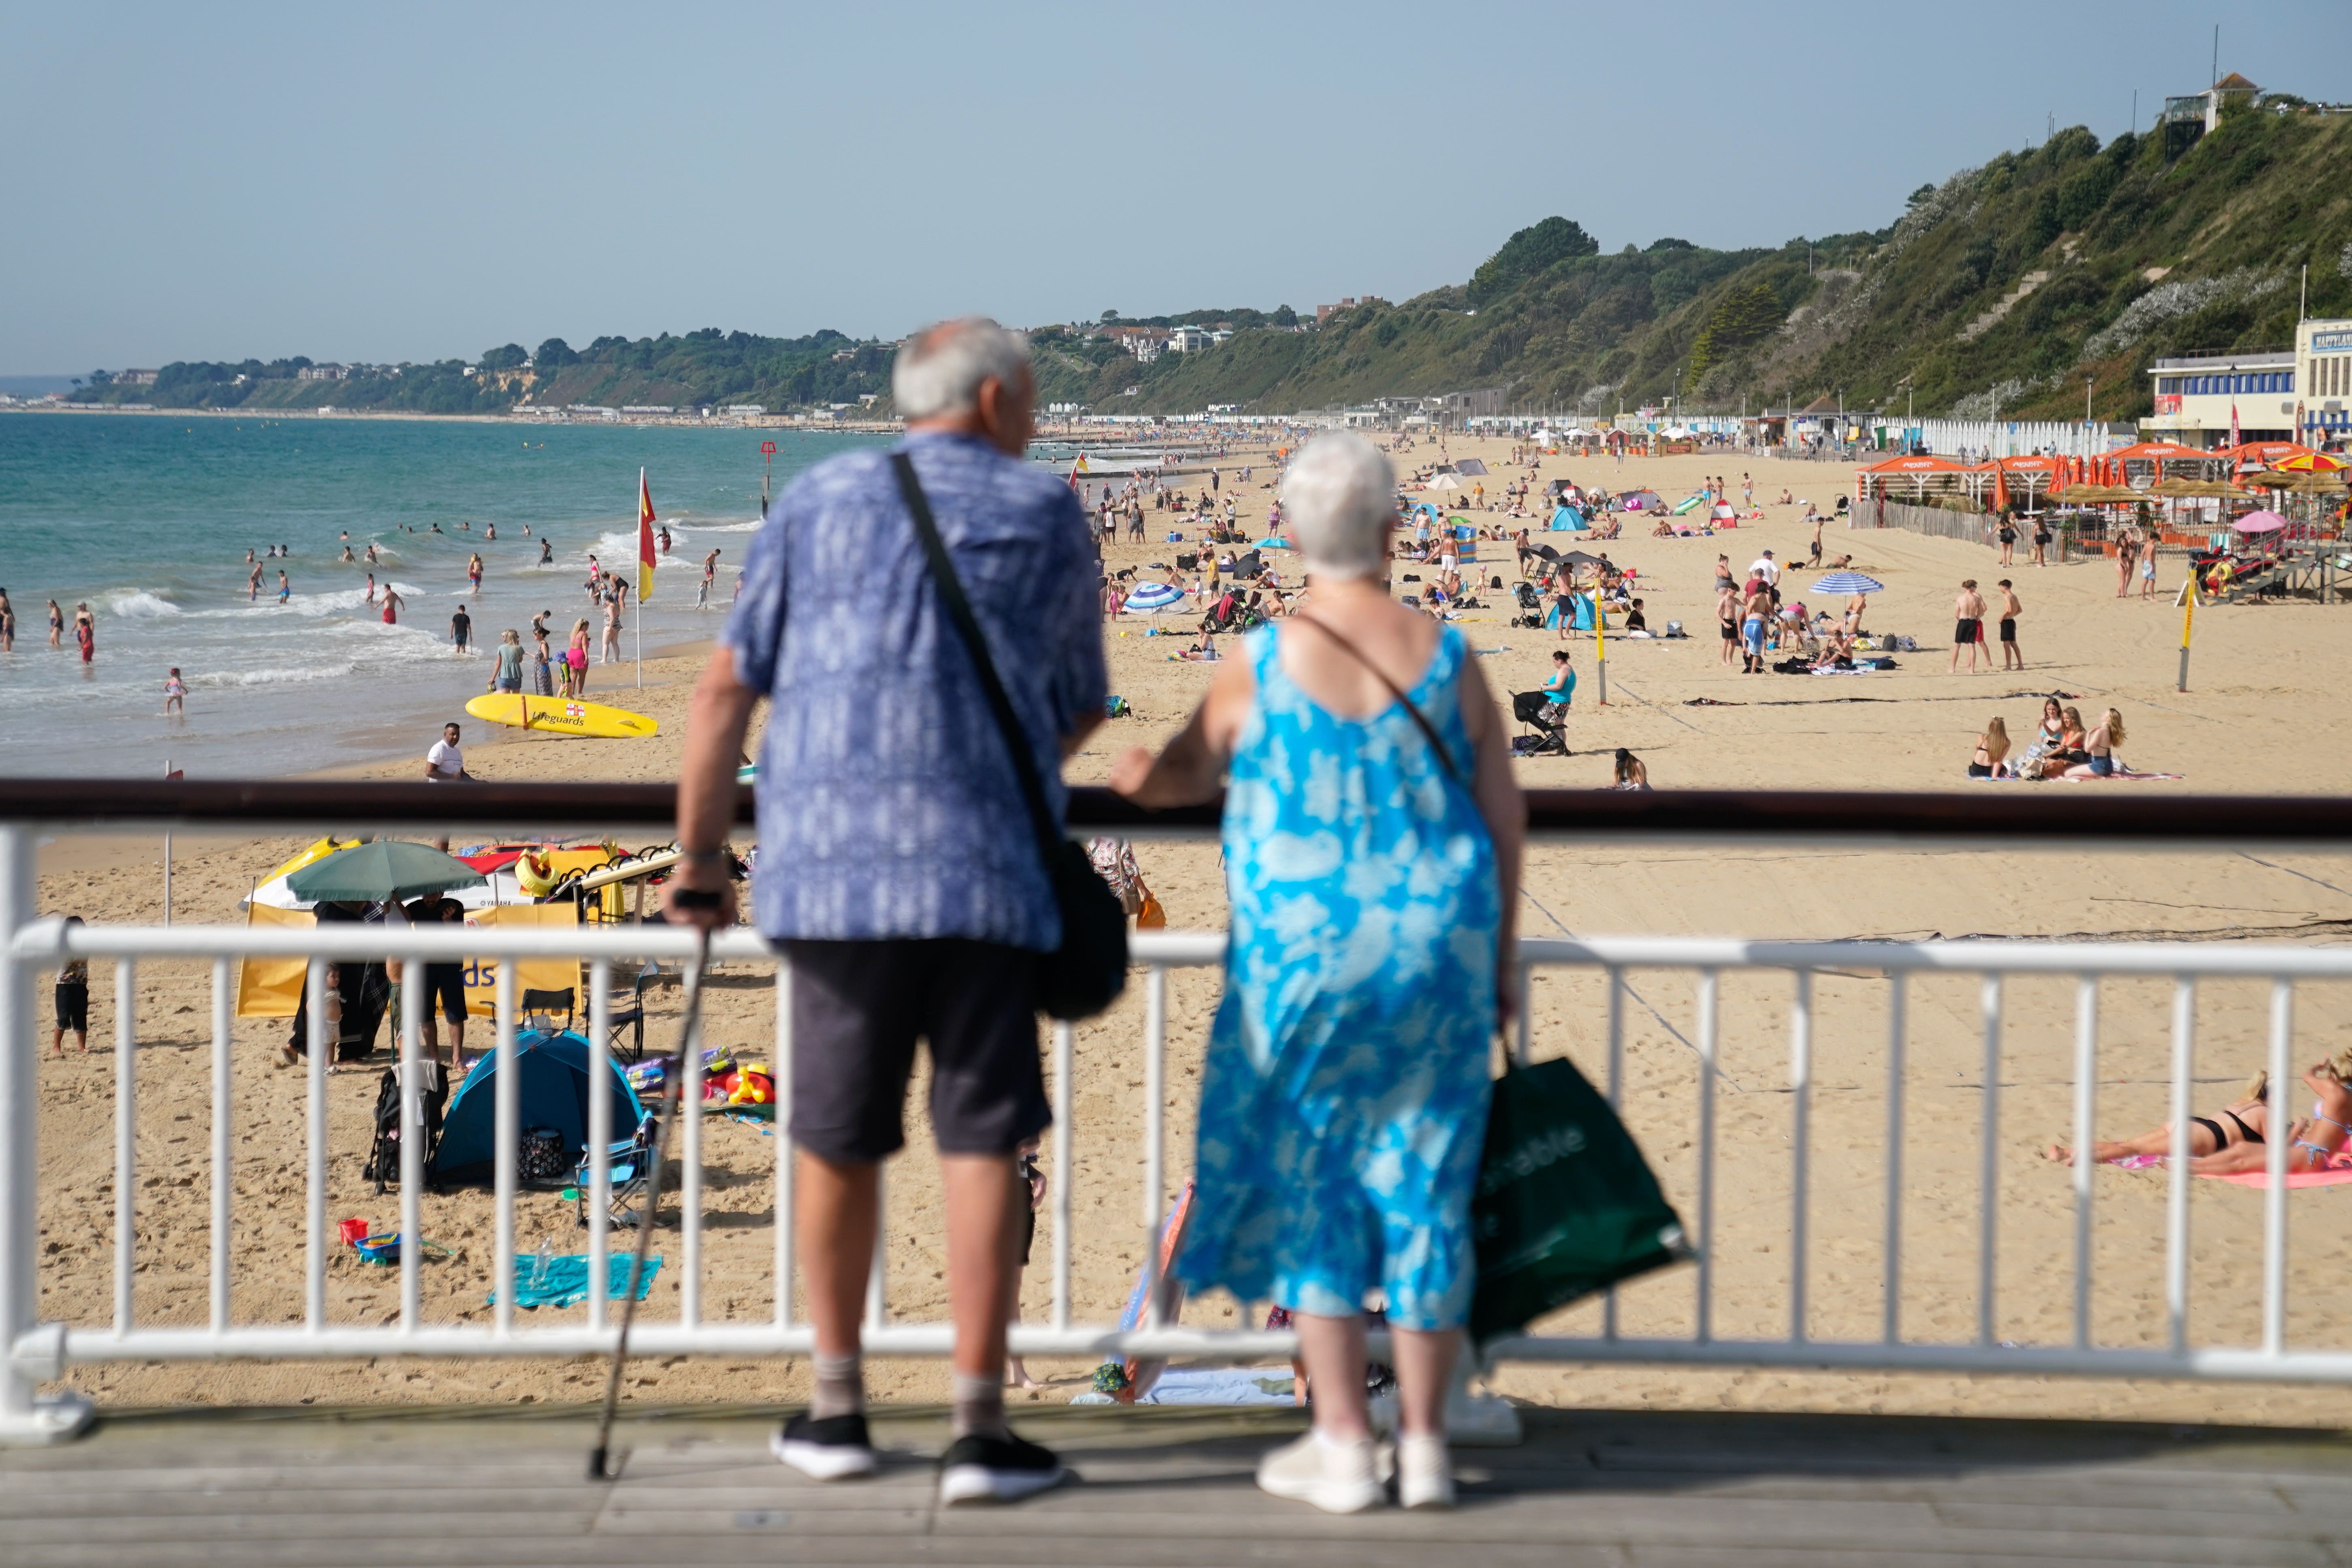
(2260, 677)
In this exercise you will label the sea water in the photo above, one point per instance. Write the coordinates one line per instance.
(147, 518)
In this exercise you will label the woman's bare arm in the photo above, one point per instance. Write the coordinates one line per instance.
(1506, 812)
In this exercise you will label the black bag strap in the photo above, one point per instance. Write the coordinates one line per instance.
(1428, 729)
(959, 609)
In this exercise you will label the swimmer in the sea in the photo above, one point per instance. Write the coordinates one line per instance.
(546, 552)
(284, 591)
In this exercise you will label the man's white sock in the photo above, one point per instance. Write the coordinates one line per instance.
(840, 1386)
(980, 1406)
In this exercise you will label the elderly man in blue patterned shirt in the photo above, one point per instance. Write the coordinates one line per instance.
(898, 868)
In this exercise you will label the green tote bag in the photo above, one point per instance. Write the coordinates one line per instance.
(1565, 1204)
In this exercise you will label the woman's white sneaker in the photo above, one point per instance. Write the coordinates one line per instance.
(1341, 1476)
(1424, 1472)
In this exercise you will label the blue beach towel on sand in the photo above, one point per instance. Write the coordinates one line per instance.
(565, 1282)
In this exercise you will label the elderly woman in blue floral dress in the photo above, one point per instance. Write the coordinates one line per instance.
(1372, 833)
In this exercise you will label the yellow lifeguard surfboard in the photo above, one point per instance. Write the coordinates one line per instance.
(560, 716)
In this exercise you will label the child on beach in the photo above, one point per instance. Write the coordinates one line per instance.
(85, 632)
(73, 1002)
(285, 591)
(175, 693)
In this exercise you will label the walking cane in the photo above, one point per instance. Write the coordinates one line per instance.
(673, 1095)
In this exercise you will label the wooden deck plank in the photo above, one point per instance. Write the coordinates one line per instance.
(1621, 1489)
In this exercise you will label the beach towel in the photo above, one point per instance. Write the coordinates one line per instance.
(2338, 1172)
(1209, 1386)
(565, 1281)
(2121, 775)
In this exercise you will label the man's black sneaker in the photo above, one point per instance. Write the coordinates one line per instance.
(832, 1449)
(996, 1469)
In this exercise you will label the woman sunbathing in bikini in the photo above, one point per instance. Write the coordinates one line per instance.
(2233, 1141)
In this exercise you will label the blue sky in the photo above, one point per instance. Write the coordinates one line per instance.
(420, 181)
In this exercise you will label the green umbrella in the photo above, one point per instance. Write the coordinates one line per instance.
(387, 868)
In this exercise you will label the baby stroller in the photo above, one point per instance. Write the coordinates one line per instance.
(1531, 605)
(1533, 709)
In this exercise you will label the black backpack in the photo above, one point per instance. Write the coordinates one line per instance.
(383, 1165)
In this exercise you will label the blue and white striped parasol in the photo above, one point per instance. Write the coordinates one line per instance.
(1151, 596)
(1848, 583)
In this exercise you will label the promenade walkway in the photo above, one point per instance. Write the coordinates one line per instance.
(1172, 1486)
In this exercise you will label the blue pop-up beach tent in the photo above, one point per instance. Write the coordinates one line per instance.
(553, 1084)
(1566, 519)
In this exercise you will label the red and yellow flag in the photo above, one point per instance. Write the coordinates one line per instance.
(645, 539)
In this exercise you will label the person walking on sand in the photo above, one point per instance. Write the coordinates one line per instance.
(1756, 613)
(576, 661)
(1345, 1093)
(901, 924)
(1967, 626)
(507, 674)
(1727, 616)
(542, 670)
(72, 1000)
(611, 651)
(2011, 659)
(2148, 571)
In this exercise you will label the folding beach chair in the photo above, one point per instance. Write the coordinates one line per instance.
(631, 1165)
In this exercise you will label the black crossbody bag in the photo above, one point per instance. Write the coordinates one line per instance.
(1088, 971)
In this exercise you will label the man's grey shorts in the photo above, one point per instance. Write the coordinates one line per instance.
(858, 1009)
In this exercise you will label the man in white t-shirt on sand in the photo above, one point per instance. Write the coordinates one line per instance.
(445, 764)
(1764, 566)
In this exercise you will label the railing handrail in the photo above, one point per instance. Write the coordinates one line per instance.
(49, 940)
(2073, 819)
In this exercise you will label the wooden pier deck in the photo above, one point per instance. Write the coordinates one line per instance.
(1172, 1487)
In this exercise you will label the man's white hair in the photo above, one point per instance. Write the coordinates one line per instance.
(1339, 497)
(939, 370)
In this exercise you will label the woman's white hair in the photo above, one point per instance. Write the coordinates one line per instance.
(939, 370)
(1340, 498)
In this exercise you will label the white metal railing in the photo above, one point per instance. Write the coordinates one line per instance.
(38, 1350)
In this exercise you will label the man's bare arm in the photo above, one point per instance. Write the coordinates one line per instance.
(715, 724)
